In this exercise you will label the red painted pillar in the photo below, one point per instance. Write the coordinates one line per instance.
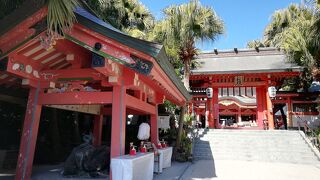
(97, 130)
(215, 101)
(210, 113)
(207, 113)
(154, 127)
(190, 108)
(269, 110)
(118, 124)
(29, 136)
(260, 107)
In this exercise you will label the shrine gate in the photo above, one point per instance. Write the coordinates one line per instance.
(240, 80)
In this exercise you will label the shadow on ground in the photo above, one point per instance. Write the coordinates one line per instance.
(54, 172)
(204, 165)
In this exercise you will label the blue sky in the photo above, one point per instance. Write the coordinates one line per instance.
(245, 20)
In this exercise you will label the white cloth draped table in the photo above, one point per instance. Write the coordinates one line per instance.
(138, 167)
(164, 158)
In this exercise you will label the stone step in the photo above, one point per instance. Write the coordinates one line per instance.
(298, 155)
(255, 149)
(262, 155)
(275, 151)
(253, 132)
(206, 139)
(250, 158)
(260, 138)
(254, 145)
(298, 142)
(251, 136)
(295, 161)
(248, 131)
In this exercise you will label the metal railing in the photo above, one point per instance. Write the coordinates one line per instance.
(309, 132)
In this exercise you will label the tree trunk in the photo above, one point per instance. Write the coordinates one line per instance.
(183, 108)
(186, 74)
(181, 119)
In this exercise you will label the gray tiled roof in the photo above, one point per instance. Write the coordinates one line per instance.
(248, 60)
(155, 50)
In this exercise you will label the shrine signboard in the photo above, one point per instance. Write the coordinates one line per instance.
(238, 80)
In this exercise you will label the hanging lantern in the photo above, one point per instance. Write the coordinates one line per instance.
(209, 92)
(272, 91)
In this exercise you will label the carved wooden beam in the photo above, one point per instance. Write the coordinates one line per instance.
(87, 74)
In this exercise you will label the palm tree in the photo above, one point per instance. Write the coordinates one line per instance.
(184, 25)
(255, 44)
(280, 20)
(296, 31)
(129, 16)
(60, 13)
(181, 27)
(298, 44)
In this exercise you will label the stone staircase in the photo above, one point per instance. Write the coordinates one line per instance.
(254, 145)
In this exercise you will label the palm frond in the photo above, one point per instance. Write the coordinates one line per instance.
(61, 15)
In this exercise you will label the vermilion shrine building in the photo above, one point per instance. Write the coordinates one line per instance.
(95, 69)
(240, 81)
(99, 70)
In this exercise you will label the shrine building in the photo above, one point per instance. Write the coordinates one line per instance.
(240, 79)
(94, 69)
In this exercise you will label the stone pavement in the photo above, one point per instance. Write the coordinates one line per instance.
(250, 170)
(174, 172)
(213, 169)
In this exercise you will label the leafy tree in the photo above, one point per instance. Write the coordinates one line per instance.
(129, 16)
(296, 30)
(255, 44)
(280, 20)
(60, 13)
(181, 27)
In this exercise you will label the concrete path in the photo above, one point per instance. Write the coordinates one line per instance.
(249, 170)
(209, 169)
(174, 172)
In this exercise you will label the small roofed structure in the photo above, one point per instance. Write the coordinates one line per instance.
(240, 80)
(95, 64)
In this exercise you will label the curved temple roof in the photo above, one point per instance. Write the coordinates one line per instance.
(152, 49)
(244, 61)
(86, 17)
